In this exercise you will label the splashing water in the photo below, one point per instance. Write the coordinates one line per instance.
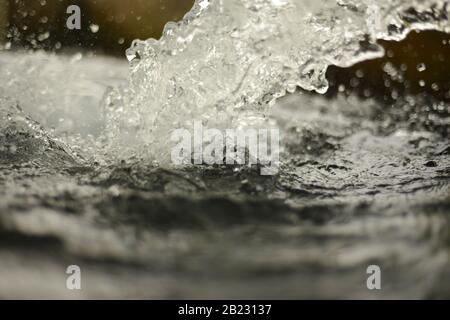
(227, 62)
(359, 185)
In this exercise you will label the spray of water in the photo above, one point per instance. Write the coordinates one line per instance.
(224, 64)
(228, 60)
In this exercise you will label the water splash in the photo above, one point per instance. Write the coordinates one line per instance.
(227, 61)
(354, 189)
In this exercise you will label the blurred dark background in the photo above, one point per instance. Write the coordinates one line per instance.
(419, 64)
(108, 26)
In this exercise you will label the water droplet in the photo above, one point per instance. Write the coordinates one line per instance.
(421, 67)
(360, 73)
(94, 28)
(43, 36)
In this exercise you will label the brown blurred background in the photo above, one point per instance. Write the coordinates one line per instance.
(4, 11)
(36, 24)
